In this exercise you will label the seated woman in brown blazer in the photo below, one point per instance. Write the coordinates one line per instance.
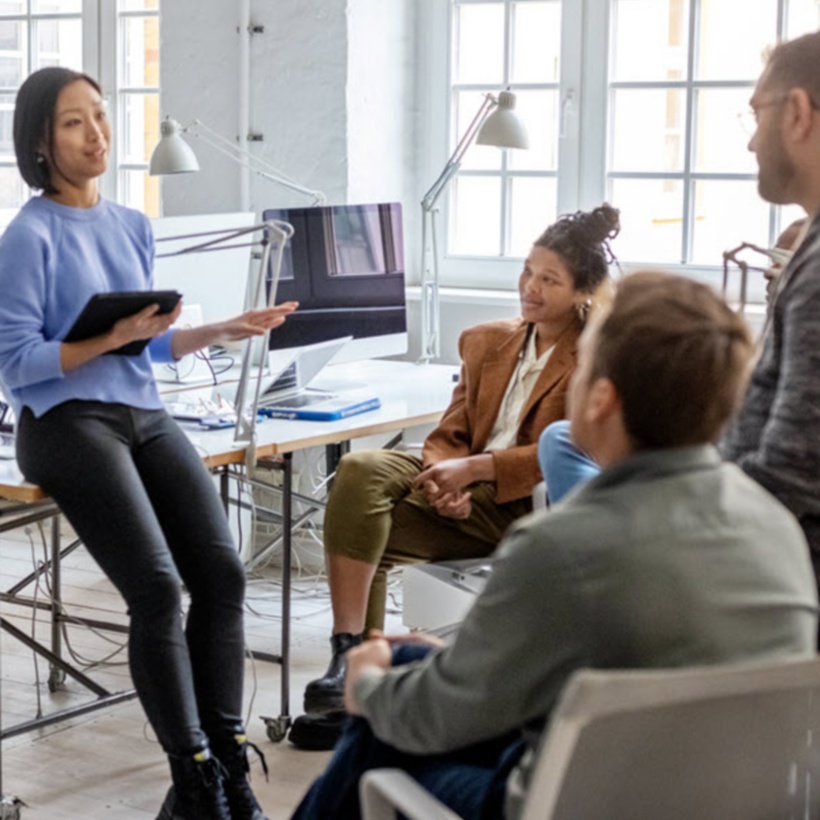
(479, 466)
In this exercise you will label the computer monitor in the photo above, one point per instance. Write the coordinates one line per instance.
(345, 267)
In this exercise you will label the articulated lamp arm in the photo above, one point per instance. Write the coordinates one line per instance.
(182, 158)
(430, 341)
(454, 162)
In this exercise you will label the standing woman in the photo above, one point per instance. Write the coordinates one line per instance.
(92, 432)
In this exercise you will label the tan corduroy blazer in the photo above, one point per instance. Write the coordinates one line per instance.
(489, 354)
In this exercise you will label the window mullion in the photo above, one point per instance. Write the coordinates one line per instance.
(687, 237)
(569, 101)
(594, 104)
(91, 37)
(506, 182)
(107, 39)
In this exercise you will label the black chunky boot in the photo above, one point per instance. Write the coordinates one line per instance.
(233, 754)
(317, 733)
(326, 694)
(198, 792)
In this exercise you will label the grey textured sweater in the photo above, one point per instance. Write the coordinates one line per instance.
(775, 438)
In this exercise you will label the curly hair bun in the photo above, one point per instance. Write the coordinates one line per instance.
(582, 241)
(600, 224)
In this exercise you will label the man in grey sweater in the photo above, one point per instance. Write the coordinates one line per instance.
(669, 557)
(776, 436)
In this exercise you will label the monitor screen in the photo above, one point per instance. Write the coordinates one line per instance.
(345, 267)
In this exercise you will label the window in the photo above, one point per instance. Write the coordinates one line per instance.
(33, 34)
(677, 163)
(137, 103)
(639, 100)
(124, 58)
(499, 200)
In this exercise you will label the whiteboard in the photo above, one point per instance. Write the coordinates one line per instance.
(215, 280)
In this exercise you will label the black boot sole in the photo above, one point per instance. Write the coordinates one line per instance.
(317, 733)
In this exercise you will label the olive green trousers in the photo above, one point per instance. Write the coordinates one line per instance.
(374, 515)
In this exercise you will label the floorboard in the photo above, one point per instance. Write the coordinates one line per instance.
(107, 764)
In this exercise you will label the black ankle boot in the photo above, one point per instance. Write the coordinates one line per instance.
(326, 694)
(198, 792)
(317, 733)
(233, 754)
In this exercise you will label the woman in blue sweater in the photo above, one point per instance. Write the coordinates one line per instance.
(93, 433)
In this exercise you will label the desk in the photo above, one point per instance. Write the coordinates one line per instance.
(411, 395)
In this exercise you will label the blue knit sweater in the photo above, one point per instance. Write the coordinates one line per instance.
(53, 258)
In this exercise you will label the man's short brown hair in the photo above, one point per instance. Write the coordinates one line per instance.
(794, 64)
(678, 357)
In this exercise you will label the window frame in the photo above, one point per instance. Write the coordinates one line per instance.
(31, 19)
(585, 93)
(111, 77)
(100, 23)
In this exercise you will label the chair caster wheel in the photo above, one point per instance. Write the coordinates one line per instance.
(277, 728)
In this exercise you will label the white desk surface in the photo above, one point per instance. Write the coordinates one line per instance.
(411, 395)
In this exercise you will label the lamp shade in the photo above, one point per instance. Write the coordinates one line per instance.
(502, 127)
(172, 155)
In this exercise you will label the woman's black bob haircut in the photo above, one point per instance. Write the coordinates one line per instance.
(34, 122)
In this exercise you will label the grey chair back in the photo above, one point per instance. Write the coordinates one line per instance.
(711, 743)
(738, 742)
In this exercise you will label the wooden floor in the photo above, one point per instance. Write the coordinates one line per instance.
(107, 764)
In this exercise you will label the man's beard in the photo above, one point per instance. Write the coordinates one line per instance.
(774, 183)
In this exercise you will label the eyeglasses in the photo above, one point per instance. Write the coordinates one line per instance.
(748, 118)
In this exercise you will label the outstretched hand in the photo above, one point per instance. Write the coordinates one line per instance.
(250, 323)
(253, 323)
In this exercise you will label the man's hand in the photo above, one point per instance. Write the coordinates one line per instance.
(371, 656)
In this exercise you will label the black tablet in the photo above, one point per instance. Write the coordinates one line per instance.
(103, 310)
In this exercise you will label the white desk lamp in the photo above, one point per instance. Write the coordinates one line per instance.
(172, 155)
(495, 123)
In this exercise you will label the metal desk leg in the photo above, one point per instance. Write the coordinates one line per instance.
(56, 677)
(333, 454)
(287, 523)
(278, 727)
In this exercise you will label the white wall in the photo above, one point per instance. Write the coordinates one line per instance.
(199, 77)
(332, 89)
(336, 87)
(297, 100)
